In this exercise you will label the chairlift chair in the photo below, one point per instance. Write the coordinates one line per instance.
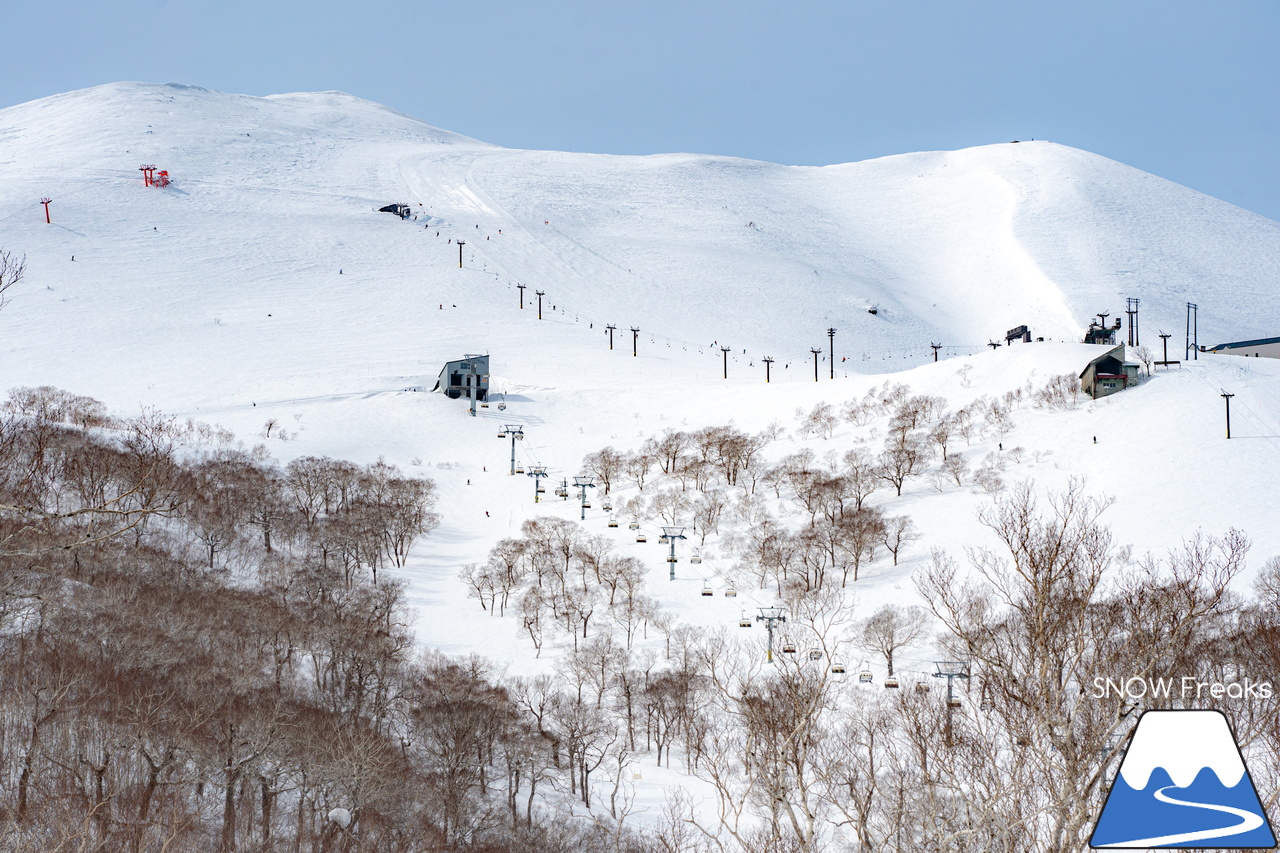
(586, 504)
(562, 493)
(730, 593)
(953, 702)
(788, 648)
(865, 677)
(607, 505)
(745, 621)
(815, 654)
(613, 522)
(640, 537)
(519, 469)
(708, 591)
(484, 405)
(891, 683)
(502, 433)
(837, 667)
(671, 559)
(635, 525)
(696, 559)
(664, 539)
(922, 687)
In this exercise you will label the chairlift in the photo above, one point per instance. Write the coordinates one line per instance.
(635, 525)
(696, 559)
(607, 505)
(788, 648)
(864, 674)
(815, 654)
(953, 702)
(708, 591)
(671, 559)
(502, 433)
(540, 490)
(745, 621)
(664, 539)
(640, 537)
(986, 705)
(922, 687)
(519, 469)
(562, 492)
(837, 667)
(891, 683)
(484, 405)
(613, 522)
(730, 593)
(586, 504)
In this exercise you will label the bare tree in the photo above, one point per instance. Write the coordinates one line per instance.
(897, 532)
(12, 268)
(894, 627)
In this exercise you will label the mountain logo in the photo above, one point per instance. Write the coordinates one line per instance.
(1183, 783)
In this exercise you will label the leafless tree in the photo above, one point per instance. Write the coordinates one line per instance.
(12, 269)
(894, 627)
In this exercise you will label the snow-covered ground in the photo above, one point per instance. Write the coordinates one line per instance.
(263, 284)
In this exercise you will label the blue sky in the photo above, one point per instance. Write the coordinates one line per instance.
(1187, 90)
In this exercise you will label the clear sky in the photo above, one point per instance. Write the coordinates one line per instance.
(1187, 90)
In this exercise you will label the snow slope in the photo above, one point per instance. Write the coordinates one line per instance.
(264, 284)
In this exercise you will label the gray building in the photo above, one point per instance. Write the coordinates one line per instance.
(1261, 348)
(458, 378)
(1108, 373)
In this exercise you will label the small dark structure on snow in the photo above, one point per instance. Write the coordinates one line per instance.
(1108, 373)
(1020, 333)
(1100, 333)
(401, 210)
(467, 377)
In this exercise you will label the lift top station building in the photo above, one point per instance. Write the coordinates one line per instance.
(467, 377)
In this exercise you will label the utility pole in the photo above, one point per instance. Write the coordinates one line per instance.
(831, 339)
(521, 288)
(1193, 331)
(1164, 339)
(768, 361)
(45, 202)
(725, 350)
(771, 617)
(537, 472)
(611, 327)
(816, 353)
(951, 670)
(1227, 398)
(460, 245)
(582, 484)
(936, 347)
(516, 431)
(635, 336)
(1132, 311)
(670, 535)
(540, 293)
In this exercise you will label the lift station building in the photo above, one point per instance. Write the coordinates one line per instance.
(458, 378)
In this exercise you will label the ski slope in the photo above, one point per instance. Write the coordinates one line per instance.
(263, 284)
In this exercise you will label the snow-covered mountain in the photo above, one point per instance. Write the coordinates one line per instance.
(264, 284)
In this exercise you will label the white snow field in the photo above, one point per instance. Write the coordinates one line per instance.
(263, 284)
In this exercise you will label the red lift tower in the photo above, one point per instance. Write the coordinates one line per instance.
(45, 202)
